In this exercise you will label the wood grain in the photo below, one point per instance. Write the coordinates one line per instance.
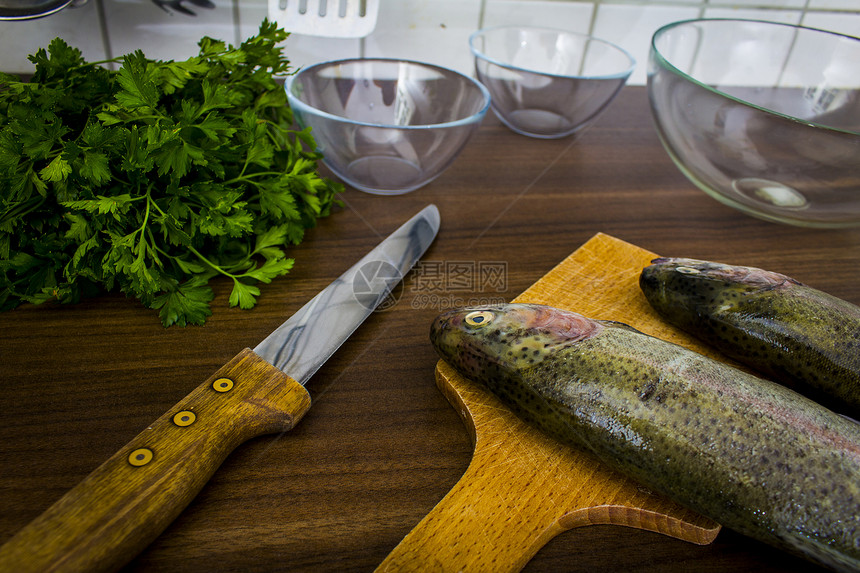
(523, 488)
(381, 445)
(117, 510)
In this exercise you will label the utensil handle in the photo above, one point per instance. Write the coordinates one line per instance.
(125, 503)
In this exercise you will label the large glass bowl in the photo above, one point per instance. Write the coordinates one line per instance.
(387, 126)
(762, 116)
(548, 83)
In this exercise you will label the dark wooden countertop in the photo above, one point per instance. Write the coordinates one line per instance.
(381, 445)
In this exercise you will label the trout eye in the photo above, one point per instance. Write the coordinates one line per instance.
(479, 318)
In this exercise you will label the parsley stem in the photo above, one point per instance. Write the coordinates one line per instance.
(94, 64)
(153, 248)
(246, 178)
(210, 263)
(22, 209)
(157, 208)
(142, 229)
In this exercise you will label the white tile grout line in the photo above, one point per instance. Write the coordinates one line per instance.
(592, 23)
(237, 23)
(103, 30)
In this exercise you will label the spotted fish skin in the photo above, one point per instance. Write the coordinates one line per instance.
(772, 323)
(750, 454)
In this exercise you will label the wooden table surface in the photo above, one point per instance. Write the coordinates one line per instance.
(381, 445)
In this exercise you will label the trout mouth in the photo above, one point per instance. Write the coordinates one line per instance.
(458, 346)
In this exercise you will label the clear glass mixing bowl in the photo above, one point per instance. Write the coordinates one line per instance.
(387, 126)
(548, 83)
(762, 116)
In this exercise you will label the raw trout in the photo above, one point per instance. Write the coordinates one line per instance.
(785, 330)
(750, 454)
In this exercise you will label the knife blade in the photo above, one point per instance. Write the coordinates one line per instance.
(125, 503)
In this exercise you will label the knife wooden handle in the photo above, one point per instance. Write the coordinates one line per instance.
(129, 500)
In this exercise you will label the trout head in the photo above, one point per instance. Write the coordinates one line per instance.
(682, 286)
(486, 343)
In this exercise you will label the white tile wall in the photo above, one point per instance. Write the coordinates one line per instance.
(573, 16)
(760, 3)
(784, 16)
(434, 31)
(139, 24)
(80, 27)
(842, 23)
(301, 50)
(631, 27)
(843, 4)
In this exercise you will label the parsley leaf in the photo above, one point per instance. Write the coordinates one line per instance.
(184, 304)
(154, 178)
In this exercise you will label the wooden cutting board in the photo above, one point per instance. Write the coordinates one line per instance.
(522, 488)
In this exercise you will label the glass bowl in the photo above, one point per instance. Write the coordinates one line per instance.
(762, 116)
(387, 126)
(548, 83)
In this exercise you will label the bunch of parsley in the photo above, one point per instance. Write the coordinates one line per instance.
(153, 178)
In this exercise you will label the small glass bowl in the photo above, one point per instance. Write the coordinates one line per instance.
(548, 83)
(387, 126)
(762, 116)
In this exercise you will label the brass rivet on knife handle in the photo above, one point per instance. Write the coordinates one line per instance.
(140, 457)
(184, 418)
(119, 508)
(222, 385)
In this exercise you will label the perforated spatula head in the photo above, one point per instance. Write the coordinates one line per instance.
(328, 18)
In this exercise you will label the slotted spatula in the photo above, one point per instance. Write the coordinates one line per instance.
(328, 18)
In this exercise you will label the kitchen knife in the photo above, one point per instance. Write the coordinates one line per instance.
(125, 503)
